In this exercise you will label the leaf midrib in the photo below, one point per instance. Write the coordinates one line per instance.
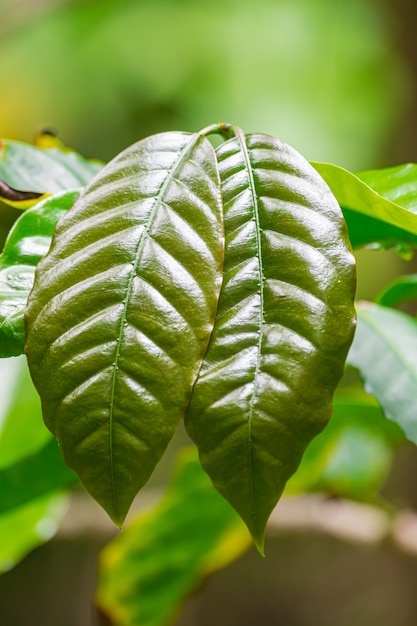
(242, 141)
(138, 254)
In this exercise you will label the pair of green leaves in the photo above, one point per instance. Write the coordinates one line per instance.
(215, 286)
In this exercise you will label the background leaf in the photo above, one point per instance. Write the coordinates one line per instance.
(22, 431)
(164, 555)
(26, 168)
(283, 327)
(122, 310)
(397, 184)
(34, 476)
(31, 466)
(28, 241)
(386, 343)
(353, 455)
(31, 502)
(365, 231)
(371, 218)
(399, 291)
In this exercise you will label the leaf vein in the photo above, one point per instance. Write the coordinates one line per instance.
(242, 140)
(170, 174)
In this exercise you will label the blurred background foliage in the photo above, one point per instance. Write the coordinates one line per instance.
(323, 75)
(335, 79)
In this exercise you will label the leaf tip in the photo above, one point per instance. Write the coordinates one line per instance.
(260, 545)
(257, 532)
(117, 518)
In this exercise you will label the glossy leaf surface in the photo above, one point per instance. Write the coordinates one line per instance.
(351, 458)
(385, 353)
(27, 171)
(284, 324)
(149, 570)
(372, 218)
(28, 241)
(122, 310)
(398, 184)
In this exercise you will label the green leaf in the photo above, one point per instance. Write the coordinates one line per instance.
(385, 353)
(22, 431)
(283, 327)
(29, 526)
(397, 184)
(36, 475)
(399, 291)
(30, 463)
(351, 458)
(27, 242)
(365, 231)
(30, 468)
(371, 218)
(28, 172)
(122, 310)
(149, 570)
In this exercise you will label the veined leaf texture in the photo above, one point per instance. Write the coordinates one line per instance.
(122, 310)
(127, 332)
(283, 328)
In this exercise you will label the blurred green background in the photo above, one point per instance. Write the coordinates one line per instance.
(326, 76)
(337, 80)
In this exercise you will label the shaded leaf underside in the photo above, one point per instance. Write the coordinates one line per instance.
(402, 289)
(378, 205)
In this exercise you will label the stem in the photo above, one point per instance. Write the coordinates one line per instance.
(226, 130)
